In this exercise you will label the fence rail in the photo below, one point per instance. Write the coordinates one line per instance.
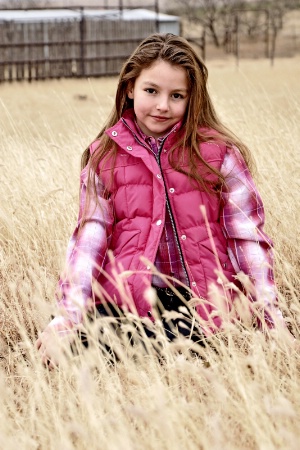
(63, 49)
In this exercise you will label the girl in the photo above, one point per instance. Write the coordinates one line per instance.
(167, 201)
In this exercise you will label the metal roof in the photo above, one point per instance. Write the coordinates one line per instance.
(48, 15)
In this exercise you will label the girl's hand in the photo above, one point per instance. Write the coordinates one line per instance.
(54, 342)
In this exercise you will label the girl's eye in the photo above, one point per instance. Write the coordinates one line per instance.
(150, 90)
(176, 95)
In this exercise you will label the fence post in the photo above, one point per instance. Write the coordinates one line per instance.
(10, 36)
(82, 40)
(203, 39)
(267, 34)
(157, 16)
(237, 49)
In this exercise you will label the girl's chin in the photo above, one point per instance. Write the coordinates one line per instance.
(155, 128)
(158, 131)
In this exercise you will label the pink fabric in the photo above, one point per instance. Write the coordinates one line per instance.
(167, 260)
(138, 195)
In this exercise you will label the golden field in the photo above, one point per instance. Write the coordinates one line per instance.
(244, 396)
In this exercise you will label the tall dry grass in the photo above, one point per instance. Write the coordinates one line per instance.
(245, 395)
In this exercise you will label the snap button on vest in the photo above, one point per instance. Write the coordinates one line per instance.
(128, 147)
(159, 222)
(114, 133)
(172, 190)
(183, 237)
(158, 175)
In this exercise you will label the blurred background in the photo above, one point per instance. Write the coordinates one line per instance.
(76, 38)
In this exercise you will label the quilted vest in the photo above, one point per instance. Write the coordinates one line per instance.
(138, 196)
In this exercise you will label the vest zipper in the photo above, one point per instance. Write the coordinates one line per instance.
(157, 157)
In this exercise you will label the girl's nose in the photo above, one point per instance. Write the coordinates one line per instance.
(163, 104)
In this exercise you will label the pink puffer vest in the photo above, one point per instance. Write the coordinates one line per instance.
(138, 196)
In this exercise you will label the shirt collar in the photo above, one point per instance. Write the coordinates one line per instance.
(148, 138)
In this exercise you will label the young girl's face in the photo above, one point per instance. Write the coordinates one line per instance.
(160, 97)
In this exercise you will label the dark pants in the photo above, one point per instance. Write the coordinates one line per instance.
(184, 322)
(176, 317)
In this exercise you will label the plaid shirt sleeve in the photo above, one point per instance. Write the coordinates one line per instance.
(242, 219)
(86, 252)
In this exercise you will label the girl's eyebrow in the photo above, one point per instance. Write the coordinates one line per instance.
(150, 83)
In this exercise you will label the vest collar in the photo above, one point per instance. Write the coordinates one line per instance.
(128, 121)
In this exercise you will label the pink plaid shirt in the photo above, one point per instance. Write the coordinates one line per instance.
(242, 221)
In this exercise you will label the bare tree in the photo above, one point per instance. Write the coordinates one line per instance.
(276, 11)
(211, 15)
(225, 20)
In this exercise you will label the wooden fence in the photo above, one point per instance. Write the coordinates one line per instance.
(89, 47)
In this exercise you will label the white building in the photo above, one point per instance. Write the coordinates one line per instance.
(165, 23)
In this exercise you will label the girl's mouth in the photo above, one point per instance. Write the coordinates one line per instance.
(160, 118)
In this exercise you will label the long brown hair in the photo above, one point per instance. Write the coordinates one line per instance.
(200, 112)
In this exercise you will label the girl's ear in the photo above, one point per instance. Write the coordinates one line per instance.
(130, 90)
(130, 93)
